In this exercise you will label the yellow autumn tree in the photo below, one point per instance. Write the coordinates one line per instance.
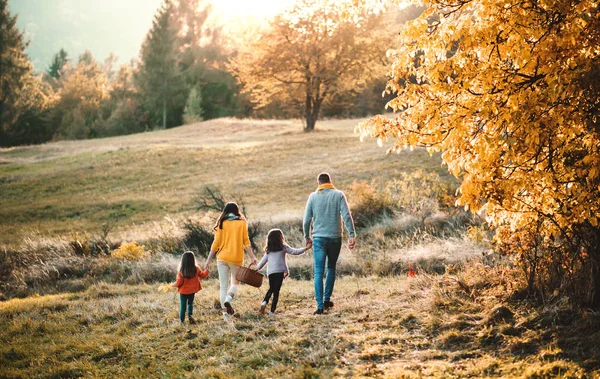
(82, 91)
(508, 91)
(309, 52)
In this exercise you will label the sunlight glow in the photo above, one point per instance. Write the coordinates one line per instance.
(231, 10)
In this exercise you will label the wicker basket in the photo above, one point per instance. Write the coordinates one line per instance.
(249, 276)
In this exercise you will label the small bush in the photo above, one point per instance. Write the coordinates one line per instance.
(86, 245)
(197, 237)
(130, 251)
(212, 199)
(368, 204)
(421, 194)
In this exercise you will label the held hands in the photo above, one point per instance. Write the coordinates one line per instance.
(308, 243)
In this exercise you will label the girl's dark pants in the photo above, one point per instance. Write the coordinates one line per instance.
(186, 300)
(275, 281)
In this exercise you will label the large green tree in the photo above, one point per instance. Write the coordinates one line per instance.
(160, 82)
(58, 62)
(24, 99)
(14, 68)
(203, 58)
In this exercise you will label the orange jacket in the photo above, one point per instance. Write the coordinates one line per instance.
(189, 286)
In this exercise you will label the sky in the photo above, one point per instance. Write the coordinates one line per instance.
(105, 26)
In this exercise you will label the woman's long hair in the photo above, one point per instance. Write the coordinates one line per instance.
(187, 267)
(275, 241)
(229, 208)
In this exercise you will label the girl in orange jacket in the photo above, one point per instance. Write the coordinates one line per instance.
(188, 283)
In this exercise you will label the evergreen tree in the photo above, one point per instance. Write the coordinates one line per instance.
(59, 61)
(14, 68)
(159, 80)
(24, 98)
(193, 108)
(203, 60)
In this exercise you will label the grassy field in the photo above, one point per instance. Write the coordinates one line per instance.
(70, 311)
(423, 326)
(77, 186)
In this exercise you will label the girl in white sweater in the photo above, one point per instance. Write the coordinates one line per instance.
(275, 251)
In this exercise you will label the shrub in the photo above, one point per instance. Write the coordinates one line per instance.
(127, 117)
(212, 199)
(130, 251)
(369, 205)
(421, 194)
(197, 237)
(193, 107)
(87, 245)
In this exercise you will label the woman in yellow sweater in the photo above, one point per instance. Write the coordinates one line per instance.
(230, 243)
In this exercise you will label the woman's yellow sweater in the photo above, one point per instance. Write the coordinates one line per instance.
(230, 241)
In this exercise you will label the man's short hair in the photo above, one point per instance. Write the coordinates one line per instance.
(324, 178)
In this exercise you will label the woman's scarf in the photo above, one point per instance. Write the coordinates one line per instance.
(325, 185)
(231, 216)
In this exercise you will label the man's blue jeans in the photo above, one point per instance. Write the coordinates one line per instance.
(325, 249)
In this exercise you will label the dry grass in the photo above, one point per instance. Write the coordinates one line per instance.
(150, 178)
(110, 320)
(426, 326)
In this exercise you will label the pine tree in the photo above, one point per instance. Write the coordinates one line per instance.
(59, 61)
(14, 68)
(193, 108)
(161, 86)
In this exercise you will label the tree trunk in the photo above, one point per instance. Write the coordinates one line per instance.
(308, 106)
(594, 256)
(164, 116)
(311, 114)
(310, 124)
(314, 99)
(595, 298)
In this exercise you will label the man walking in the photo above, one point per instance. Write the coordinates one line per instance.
(325, 208)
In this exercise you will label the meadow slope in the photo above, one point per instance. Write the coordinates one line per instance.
(77, 186)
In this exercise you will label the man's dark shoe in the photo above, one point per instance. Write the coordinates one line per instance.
(230, 310)
(328, 304)
(318, 312)
(192, 321)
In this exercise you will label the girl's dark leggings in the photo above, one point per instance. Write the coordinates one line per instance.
(275, 281)
(186, 300)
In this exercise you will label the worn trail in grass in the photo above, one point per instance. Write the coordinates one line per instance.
(395, 327)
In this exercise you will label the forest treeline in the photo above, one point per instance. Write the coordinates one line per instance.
(188, 70)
